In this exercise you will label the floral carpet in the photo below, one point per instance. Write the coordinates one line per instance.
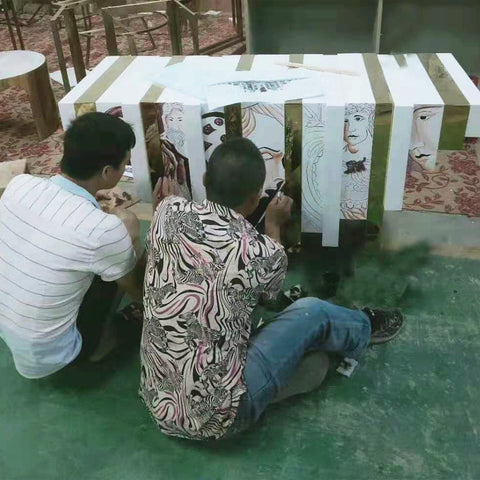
(454, 187)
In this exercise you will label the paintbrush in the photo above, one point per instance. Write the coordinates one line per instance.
(319, 69)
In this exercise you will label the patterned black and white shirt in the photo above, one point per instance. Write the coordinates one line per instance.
(207, 267)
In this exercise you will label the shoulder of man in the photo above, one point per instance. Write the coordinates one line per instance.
(17, 183)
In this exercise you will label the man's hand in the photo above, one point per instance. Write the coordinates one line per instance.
(165, 187)
(277, 214)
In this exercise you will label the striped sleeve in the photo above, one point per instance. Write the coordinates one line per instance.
(115, 255)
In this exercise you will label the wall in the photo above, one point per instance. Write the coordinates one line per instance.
(333, 26)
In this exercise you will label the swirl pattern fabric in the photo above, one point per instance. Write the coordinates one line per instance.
(207, 268)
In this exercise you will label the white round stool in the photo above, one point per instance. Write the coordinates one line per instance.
(28, 70)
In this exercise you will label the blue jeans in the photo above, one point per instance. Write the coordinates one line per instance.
(273, 355)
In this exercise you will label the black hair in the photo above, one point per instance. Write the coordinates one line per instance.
(235, 171)
(93, 141)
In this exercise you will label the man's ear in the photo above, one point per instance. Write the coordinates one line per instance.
(105, 172)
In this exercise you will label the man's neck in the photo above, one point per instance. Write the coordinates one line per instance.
(90, 185)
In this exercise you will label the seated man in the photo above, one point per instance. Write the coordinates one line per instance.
(54, 239)
(203, 376)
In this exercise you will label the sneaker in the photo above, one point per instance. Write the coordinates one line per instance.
(386, 324)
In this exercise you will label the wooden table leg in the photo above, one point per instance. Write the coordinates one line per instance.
(42, 101)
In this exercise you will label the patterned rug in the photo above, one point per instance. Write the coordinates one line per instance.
(18, 138)
(453, 188)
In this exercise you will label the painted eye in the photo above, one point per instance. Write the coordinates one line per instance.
(425, 117)
(358, 118)
(208, 129)
(218, 121)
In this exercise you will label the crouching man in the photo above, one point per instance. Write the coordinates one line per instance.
(203, 376)
(55, 241)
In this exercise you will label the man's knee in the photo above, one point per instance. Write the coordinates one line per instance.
(311, 303)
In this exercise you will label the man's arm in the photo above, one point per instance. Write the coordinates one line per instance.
(277, 214)
(132, 282)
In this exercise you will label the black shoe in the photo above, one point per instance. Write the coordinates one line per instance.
(386, 324)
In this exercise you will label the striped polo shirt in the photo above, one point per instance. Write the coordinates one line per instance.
(54, 239)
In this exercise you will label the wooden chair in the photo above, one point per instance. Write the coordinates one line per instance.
(237, 18)
(116, 20)
(66, 13)
(9, 11)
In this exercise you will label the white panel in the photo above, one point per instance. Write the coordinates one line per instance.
(133, 82)
(401, 132)
(195, 151)
(139, 160)
(398, 157)
(330, 170)
(469, 90)
(313, 149)
(67, 103)
(358, 138)
(427, 115)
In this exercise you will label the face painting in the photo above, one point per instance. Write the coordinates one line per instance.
(427, 123)
(356, 128)
(172, 120)
(261, 127)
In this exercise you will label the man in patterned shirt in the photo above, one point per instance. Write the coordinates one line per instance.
(203, 375)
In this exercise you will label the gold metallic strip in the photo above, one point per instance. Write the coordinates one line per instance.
(154, 92)
(233, 120)
(233, 113)
(293, 163)
(381, 138)
(296, 58)
(457, 107)
(401, 60)
(245, 63)
(86, 103)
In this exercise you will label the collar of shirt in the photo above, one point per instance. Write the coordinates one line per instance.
(222, 210)
(71, 187)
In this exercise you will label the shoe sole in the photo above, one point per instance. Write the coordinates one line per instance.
(380, 340)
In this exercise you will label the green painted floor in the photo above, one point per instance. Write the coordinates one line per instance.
(410, 411)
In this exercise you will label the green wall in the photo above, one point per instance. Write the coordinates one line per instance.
(333, 26)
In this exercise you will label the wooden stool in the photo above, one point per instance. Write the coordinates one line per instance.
(28, 70)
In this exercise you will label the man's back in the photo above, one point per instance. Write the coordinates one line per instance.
(207, 268)
(52, 242)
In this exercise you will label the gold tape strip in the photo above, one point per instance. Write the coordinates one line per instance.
(401, 60)
(245, 63)
(233, 113)
(381, 138)
(457, 107)
(86, 103)
(293, 163)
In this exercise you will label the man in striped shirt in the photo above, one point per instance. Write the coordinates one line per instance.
(54, 240)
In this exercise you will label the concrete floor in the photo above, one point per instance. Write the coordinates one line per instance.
(410, 411)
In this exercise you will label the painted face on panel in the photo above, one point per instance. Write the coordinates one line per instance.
(263, 124)
(172, 119)
(358, 137)
(357, 127)
(427, 123)
(172, 145)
